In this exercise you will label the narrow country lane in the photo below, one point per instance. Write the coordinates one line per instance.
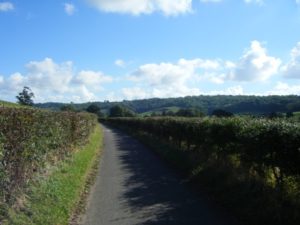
(135, 187)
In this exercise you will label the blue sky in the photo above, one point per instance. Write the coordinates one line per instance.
(95, 50)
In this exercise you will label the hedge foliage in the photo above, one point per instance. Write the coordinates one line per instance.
(262, 154)
(260, 143)
(30, 139)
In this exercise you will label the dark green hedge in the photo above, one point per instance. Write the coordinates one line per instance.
(29, 139)
(258, 142)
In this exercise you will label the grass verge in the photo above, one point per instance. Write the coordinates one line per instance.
(52, 200)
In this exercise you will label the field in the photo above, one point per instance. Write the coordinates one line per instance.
(160, 111)
(250, 166)
(9, 104)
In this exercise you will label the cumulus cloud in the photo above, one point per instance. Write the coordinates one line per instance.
(282, 88)
(51, 81)
(164, 79)
(256, 1)
(6, 6)
(172, 79)
(161, 74)
(235, 90)
(292, 68)
(137, 7)
(69, 9)
(92, 79)
(214, 77)
(141, 93)
(211, 1)
(185, 76)
(172, 74)
(134, 93)
(180, 91)
(199, 63)
(255, 65)
(120, 63)
(47, 75)
(157, 92)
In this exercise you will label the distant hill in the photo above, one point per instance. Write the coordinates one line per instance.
(235, 104)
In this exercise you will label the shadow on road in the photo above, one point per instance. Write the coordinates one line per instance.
(155, 193)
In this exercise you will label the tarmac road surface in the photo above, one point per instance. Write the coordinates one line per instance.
(134, 186)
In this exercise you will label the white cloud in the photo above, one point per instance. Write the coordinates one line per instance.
(11, 86)
(84, 94)
(157, 92)
(255, 65)
(183, 77)
(162, 74)
(69, 8)
(260, 2)
(180, 79)
(282, 88)
(6, 6)
(163, 80)
(179, 91)
(173, 74)
(134, 93)
(213, 77)
(235, 90)
(172, 79)
(92, 79)
(120, 63)
(211, 1)
(140, 93)
(1, 79)
(50, 76)
(200, 63)
(16, 80)
(112, 96)
(292, 68)
(55, 82)
(137, 7)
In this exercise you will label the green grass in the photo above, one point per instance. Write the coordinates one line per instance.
(8, 104)
(12, 105)
(173, 109)
(296, 114)
(52, 200)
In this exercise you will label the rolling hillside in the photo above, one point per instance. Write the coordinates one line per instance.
(235, 104)
(9, 104)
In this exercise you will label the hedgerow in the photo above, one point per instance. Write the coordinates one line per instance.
(252, 160)
(30, 139)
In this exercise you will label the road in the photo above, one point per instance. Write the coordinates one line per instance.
(134, 186)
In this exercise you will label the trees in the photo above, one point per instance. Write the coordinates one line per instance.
(120, 111)
(68, 107)
(25, 97)
(93, 108)
(221, 113)
(116, 111)
(191, 112)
